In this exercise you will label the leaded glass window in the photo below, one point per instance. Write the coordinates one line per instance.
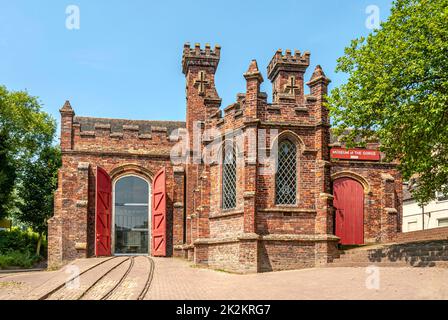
(229, 178)
(286, 177)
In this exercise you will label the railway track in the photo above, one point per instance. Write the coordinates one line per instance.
(98, 284)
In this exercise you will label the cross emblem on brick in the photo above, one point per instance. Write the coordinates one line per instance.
(291, 87)
(201, 83)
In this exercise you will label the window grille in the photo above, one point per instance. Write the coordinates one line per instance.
(229, 178)
(286, 177)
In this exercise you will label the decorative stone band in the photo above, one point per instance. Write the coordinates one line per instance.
(269, 237)
(391, 210)
(287, 210)
(300, 237)
(159, 129)
(128, 127)
(83, 166)
(81, 203)
(183, 246)
(80, 246)
(145, 136)
(102, 126)
(178, 170)
(387, 177)
(178, 205)
(301, 108)
(226, 214)
(326, 196)
(249, 194)
(116, 135)
(310, 99)
(87, 133)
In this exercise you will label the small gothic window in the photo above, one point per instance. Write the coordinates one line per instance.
(229, 178)
(286, 177)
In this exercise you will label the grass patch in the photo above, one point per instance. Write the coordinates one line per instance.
(17, 259)
(18, 249)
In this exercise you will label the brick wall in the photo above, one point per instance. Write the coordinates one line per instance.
(423, 235)
(120, 147)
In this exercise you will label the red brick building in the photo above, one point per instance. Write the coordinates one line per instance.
(121, 192)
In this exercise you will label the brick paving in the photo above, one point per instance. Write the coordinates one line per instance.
(178, 279)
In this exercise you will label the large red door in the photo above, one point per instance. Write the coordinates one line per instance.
(158, 235)
(103, 213)
(349, 204)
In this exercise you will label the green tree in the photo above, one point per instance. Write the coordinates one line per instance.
(397, 91)
(36, 191)
(24, 131)
(7, 175)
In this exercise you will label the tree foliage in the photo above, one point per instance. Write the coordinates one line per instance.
(397, 92)
(7, 176)
(36, 189)
(25, 130)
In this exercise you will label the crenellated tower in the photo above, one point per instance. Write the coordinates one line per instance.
(286, 74)
(199, 67)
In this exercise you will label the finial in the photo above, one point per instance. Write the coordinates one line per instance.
(66, 107)
(318, 75)
(253, 67)
(253, 72)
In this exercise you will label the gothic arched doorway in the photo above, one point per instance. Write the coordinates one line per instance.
(349, 205)
(131, 215)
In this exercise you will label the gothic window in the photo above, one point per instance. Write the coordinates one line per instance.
(286, 176)
(229, 178)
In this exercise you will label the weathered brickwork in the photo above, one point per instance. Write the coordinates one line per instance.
(257, 235)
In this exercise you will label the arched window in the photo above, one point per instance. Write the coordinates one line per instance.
(286, 176)
(229, 178)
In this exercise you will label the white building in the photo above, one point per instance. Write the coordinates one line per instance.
(432, 215)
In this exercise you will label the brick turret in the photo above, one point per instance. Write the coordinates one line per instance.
(203, 102)
(253, 82)
(286, 74)
(67, 115)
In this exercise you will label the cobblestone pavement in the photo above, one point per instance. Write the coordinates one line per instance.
(159, 278)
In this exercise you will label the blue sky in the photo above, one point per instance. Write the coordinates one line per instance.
(125, 60)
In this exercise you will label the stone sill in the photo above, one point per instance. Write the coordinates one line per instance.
(269, 237)
(183, 247)
(225, 214)
(299, 237)
(287, 210)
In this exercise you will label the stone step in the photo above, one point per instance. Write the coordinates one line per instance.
(399, 248)
(385, 253)
(403, 262)
(412, 254)
(441, 254)
(367, 264)
(395, 258)
(420, 264)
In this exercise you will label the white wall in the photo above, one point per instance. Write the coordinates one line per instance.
(436, 215)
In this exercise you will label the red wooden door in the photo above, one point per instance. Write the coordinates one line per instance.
(103, 215)
(349, 204)
(158, 234)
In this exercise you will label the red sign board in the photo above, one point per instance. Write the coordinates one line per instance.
(355, 154)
